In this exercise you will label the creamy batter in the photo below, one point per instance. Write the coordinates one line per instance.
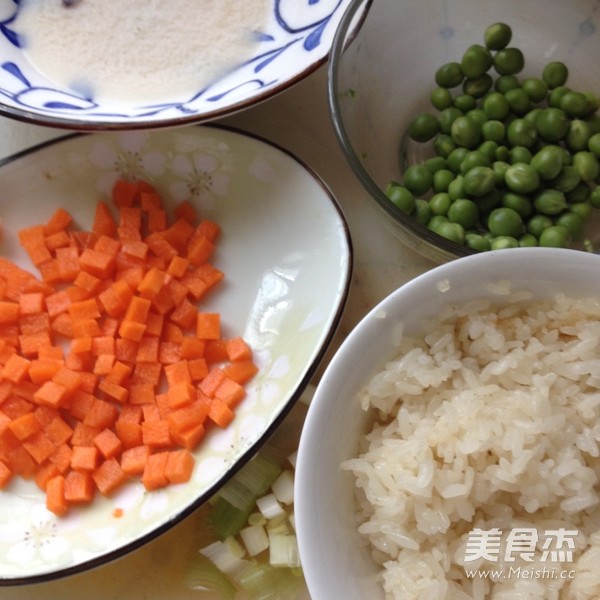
(139, 50)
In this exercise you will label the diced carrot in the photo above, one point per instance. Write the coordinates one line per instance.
(15, 368)
(180, 466)
(109, 476)
(134, 460)
(9, 311)
(104, 223)
(231, 392)
(55, 495)
(122, 296)
(154, 475)
(200, 250)
(5, 475)
(108, 443)
(208, 326)
(137, 310)
(97, 263)
(39, 446)
(85, 458)
(220, 413)
(31, 303)
(79, 486)
(156, 433)
(51, 394)
(25, 425)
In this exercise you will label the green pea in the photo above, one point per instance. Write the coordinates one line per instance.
(575, 104)
(479, 181)
(583, 209)
(449, 75)
(518, 100)
(478, 86)
(451, 231)
(550, 202)
(503, 153)
(478, 116)
(521, 178)
(456, 189)
(402, 197)
(552, 124)
(494, 130)
(520, 154)
(573, 222)
(538, 223)
(436, 221)
(555, 74)
(424, 127)
(532, 114)
(496, 106)
(464, 102)
(500, 167)
(521, 132)
(509, 61)
(594, 122)
(477, 242)
(442, 179)
(441, 98)
(504, 83)
(475, 61)
(439, 203)
(418, 179)
(465, 132)
(456, 157)
(556, 95)
(422, 212)
(497, 36)
(593, 100)
(594, 144)
(579, 194)
(548, 161)
(594, 198)
(587, 165)
(474, 158)
(488, 149)
(568, 179)
(447, 117)
(555, 236)
(536, 88)
(464, 212)
(443, 144)
(436, 163)
(505, 221)
(527, 240)
(518, 202)
(503, 242)
(578, 135)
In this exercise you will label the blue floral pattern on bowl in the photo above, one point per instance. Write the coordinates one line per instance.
(296, 40)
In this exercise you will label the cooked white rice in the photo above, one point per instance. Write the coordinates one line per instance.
(490, 420)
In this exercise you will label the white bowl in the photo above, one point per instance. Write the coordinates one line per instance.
(381, 77)
(336, 561)
(283, 237)
(295, 40)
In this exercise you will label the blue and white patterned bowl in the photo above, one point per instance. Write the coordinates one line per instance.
(296, 40)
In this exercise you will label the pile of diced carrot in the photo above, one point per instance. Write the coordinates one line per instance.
(108, 369)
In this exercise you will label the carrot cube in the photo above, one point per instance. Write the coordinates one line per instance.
(109, 476)
(180, 466)
(55, 495)
(208, 326)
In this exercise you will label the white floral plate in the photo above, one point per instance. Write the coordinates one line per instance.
(296, 39)
(286, 253)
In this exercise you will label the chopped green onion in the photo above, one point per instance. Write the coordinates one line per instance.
(202, 574)
(283, 550)
(255, 539)
(269, 506)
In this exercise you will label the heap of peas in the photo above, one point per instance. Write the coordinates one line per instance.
(516, 161)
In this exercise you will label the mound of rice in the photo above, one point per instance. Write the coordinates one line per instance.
(487, 430)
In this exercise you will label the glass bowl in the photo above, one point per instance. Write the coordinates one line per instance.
(381, 77)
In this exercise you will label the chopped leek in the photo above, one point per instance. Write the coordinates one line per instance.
(203, 575)
(254, 554)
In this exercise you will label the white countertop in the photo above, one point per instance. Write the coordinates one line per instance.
(297, 120)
